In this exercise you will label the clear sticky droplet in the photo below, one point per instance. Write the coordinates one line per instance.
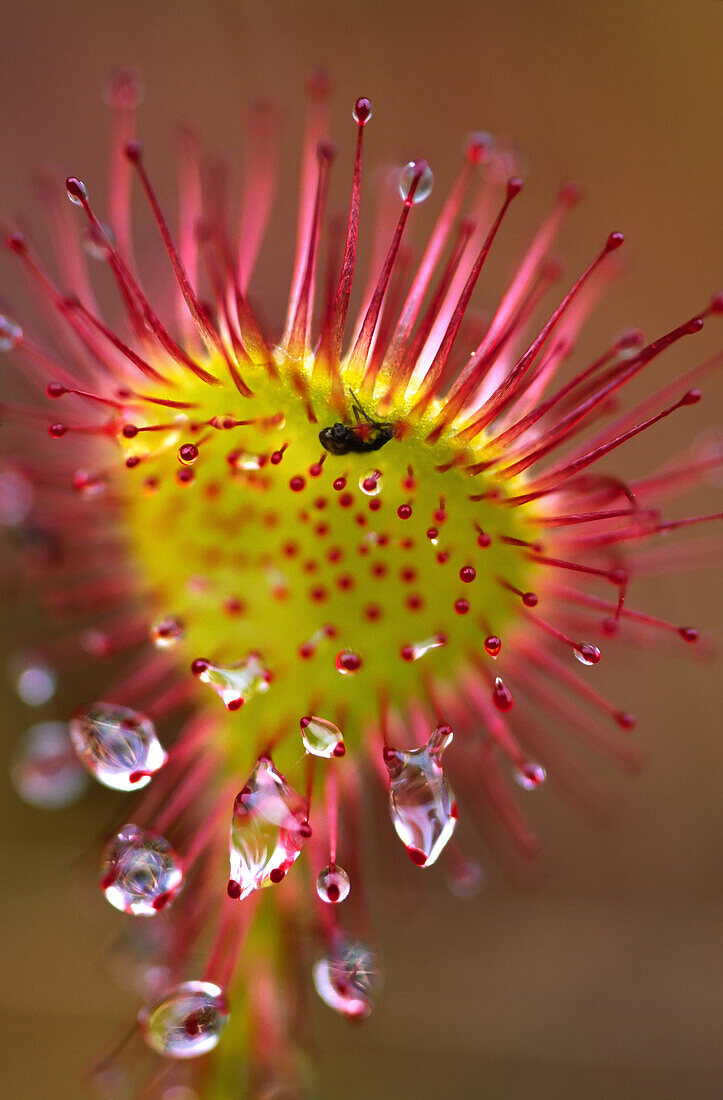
(46, 772)
(346, 977)
(95, 242)
(167, 632)
(118, 746)
(333, 884)
(587, 653)
(34, 679)
(407, 177)
(141, 873)
(371, 482)
(187, 1021)
(246, 460)
(321, 737)
(10, 334)
(530, 775)
(418, 649)
(421, 803)
(236, 683)
(269, 828)
(348, 662)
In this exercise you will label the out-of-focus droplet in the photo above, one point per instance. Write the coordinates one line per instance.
(418, 649)
(465, 879)
(348, 662)
(245, 460)
(35, 681)
(118, 746)
(420, 800)
(371, 483)
(234, 683)
(46, 772)
(530, 775)
(16, 497)
(187, 1021)
(269, 828)
(167, 632)
(10, 334)
(587, 653)
(141, 872)
(345, 979)
(407, 176)
(321, 737)
(138, 959)
(96, 242)
(89, 485)
(333, 884)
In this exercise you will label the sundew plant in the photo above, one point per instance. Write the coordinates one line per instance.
(371, 549)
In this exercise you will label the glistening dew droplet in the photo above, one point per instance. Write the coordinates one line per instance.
(321, 737)
(187, 1021)
(46, 772)
(141, 872)
(529, 776)
(333, 884)
(586, 653)
(421, 171)
(269, 828)
(167, 632)
(421, 803)
(235, 683)
(345, 978)
(119, 746)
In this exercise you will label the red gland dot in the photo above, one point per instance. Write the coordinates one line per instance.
(530, 599)
(348, 662)
(297, 483)
(404, 511)
(276, 875)
(198, 666)
(129, 431)
(688, 633)
(55, 389)
(338, 484)
(57, 430)
(467, 574)
(626, 721)
(502, 696)
(375, 504)
(483, 540)
(493, 645)
(461, 606)
(233, 889)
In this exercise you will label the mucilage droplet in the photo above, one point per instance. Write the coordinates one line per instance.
(187, 1021)
(321, 737)
(421, 803)
(345, 978)
(141, 872)
(333, 884)
(118, 746)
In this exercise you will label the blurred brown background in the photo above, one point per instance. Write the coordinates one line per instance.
(599, 977)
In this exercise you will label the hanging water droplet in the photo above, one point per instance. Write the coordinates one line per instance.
(370, 482)
(587, 653)
(530, 775)
(77, 191)
(118, 746)
(321, 738)
(417, 649)
(348, 662)
(269, 828)
(421, 803)
(345, 978)
(493, 645)
(333, 884)
(141, 871)
(235, 683)
(167, 632)
(46, 772)
(187, 1021)
(412, 170)
(35, 681)
(502, 696)
(10, 333)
